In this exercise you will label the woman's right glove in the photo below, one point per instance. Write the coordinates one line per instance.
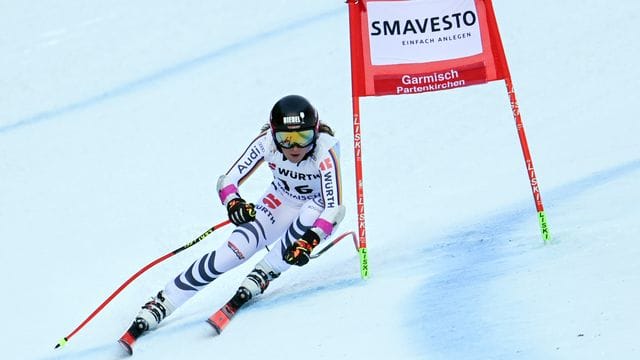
(240, 211)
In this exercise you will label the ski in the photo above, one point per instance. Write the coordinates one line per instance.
(221, 318)
(131, 335)
(127, 341)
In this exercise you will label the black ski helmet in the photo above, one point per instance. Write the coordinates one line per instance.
(293, 112)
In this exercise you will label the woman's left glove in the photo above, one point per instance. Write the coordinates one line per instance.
(240, 211)
(299, 252)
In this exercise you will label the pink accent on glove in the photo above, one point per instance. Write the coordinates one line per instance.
(323, 224)
(226, 191)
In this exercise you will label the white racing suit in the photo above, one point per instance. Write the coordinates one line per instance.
(302, 196)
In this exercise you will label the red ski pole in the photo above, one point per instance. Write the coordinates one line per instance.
(319, 252)
(64, 340)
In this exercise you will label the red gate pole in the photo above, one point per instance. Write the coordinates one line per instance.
(357, 81)
(533, 180)
(357, 149)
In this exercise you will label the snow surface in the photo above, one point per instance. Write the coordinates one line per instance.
(116, 118)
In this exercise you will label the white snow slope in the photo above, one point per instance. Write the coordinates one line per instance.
(117, 117)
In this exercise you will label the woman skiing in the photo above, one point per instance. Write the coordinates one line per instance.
(300, 208)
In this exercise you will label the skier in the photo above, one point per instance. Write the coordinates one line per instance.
(300, 208)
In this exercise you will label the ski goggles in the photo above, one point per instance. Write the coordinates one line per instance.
(289, 139)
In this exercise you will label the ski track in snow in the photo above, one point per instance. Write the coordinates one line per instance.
(168, 72)
(466, 253)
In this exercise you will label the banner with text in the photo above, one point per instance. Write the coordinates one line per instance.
(414, 46)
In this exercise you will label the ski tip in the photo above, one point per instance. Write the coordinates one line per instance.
(127, 341)
(126, 346)
(215, 327)
(61, 343)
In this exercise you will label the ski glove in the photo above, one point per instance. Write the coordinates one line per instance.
(299, 252)
(240, 212)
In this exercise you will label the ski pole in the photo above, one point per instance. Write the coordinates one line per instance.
(64, 340)
(335, 241)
